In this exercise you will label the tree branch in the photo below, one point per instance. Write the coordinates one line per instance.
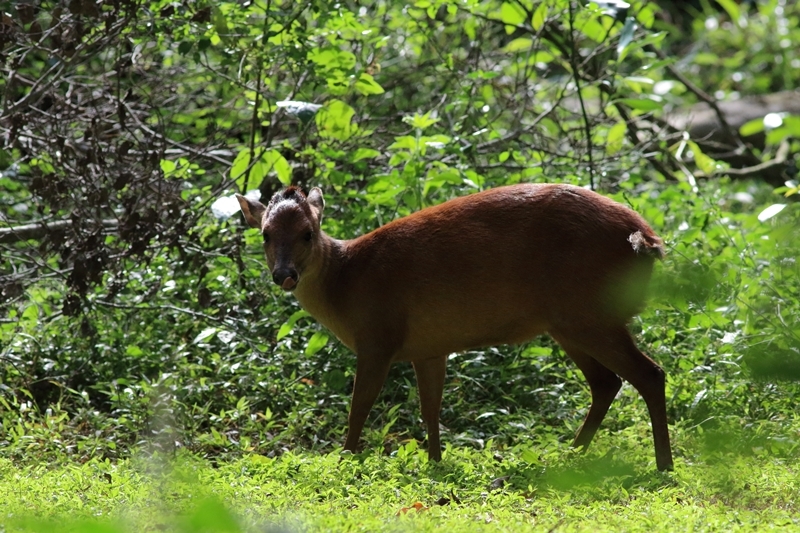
(705, 97)
(38, 230)
(746, 172)
(576, 75)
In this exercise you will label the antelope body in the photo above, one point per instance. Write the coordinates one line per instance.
(496, 267)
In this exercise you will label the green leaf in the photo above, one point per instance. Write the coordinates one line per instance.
(703, 162)
(732, 9)
(641, 42)
(284, 330)
(133, 351)
(537, 351)
(530, 456)
(367, 85)
(777, 136)
(640, 79)
(541, 56)
(205, 335)
(512, 14)
(616, 136)
(437, 178)
(752, 127)
(471, 26)
(324, 57)
(593, 30)
(646, 15)
(706, 58)
(636, 83)
(259, 170)
(642, 105)
(287, 326)
(185, 47)
(334, 120)
(167, 167)
(406, 142)
(31, 315)
(792, 125)
(364, 153)
(518, 45)
(317, 342)
(539, 16)
(420, 121)
(435, 141)
(273, 160)
(220, 22)
(239, 167)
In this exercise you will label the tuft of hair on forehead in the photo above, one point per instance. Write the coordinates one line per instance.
(288, 199)
(292, 193)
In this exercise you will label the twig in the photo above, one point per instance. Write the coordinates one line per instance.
(705, 97)
(141, 307)
(207, 155)
(40, 229)
(575, 74)
(780, 158)
(228, 322)
(253, 128)
(514, 134)
(633, 135)
(53, 74)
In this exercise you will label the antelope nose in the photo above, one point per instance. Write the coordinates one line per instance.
(286, 278)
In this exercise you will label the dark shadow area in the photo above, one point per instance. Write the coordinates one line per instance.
(590, 475)
(775, 361)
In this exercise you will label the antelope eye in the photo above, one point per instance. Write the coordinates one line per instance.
(266, 238)
(308, 236)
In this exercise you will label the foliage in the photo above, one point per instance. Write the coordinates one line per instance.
(134, 318)
(746, 50)
(529, 488)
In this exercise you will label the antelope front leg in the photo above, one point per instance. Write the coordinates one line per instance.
(370, 375)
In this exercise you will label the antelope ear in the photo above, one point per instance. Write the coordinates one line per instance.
(253, 211)
(315, 200)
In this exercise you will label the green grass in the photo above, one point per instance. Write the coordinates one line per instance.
(734, 482)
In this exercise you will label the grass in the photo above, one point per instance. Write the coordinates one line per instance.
(742, 485)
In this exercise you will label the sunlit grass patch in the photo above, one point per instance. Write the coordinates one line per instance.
(495, 489)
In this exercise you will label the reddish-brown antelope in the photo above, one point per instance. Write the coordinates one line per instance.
(496, 267)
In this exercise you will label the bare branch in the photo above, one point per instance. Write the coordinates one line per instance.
(40, 229)
(780, 158)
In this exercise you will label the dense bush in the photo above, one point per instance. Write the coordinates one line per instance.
(133, 315)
